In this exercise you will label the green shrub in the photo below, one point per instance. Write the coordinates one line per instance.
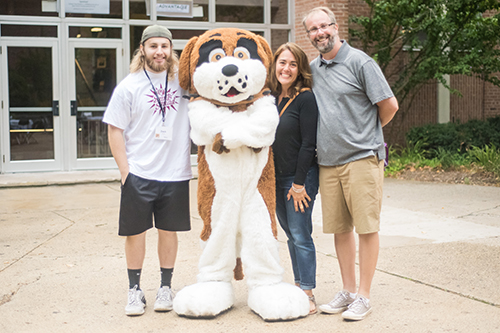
(452, 160)
(487, 157)
(477, 133)
(456, 137)
(449, 146)
(433, 136)
(414, 155)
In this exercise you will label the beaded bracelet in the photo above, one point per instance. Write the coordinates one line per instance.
(296, 190)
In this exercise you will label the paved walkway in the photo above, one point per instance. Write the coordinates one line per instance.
(62, 266)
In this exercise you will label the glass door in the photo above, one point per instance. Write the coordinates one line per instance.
(96, 70)
(31, 138)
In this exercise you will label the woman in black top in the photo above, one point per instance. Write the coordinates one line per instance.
(294, 150)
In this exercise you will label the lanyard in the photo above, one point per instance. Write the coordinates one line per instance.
(162, 107)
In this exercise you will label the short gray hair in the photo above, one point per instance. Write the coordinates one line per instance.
(325, 10)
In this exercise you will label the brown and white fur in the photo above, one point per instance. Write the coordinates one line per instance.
(233, 122)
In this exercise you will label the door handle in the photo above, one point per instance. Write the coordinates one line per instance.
(55, 108)
(74, 107)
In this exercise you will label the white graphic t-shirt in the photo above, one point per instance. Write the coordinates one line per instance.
(134, 107)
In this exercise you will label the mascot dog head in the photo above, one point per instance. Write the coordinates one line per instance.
(226, 66)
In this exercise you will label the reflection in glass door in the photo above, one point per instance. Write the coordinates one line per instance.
(31, 125)
(95, 79)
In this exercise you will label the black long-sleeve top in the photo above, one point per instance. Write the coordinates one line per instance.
(295, 145)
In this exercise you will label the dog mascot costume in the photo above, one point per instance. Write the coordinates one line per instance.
(233, 122)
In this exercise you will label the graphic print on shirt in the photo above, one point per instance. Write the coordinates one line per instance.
(171, 100)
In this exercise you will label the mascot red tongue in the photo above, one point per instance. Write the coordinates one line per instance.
(232, 92)
(233, 122)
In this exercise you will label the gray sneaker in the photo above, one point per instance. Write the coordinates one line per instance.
(164, 299)
(339, 303)
(136, 302)
(358, 309)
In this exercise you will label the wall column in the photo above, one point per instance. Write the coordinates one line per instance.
(443, 97)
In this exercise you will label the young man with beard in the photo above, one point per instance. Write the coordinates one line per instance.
(148, 131)
(355, 102)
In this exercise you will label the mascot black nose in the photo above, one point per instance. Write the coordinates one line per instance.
(229, 70)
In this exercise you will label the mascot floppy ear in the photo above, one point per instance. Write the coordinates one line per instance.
(265, 52)
(185, 66)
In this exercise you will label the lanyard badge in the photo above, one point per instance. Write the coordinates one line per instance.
(162, 132)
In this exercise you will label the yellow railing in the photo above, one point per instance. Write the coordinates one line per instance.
(34, 130)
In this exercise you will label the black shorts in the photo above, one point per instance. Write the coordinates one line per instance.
(142, 198)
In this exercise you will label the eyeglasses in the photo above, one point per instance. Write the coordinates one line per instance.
(322, 27)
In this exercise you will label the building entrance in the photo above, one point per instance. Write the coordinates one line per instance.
(31, 121)
(96, 69)
(45, 129)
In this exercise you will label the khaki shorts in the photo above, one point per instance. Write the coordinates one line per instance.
(351, 196)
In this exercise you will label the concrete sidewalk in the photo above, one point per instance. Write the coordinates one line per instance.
(62, 265)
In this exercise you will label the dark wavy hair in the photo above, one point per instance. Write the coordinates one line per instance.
(304, 76)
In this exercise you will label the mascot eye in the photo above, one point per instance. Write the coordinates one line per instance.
(216, 55)
(241, 53)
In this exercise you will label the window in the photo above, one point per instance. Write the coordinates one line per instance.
(16, 30)
(29, 7)
(248, 11)
(102, 9)
(95, 32)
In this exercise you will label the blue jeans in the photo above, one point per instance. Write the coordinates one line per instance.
(298, 228)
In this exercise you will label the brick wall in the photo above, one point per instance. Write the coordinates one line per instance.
(422, 111)
(491, 100)
(471, 104)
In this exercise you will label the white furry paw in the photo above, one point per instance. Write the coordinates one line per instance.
(205, 299)
(281, 301)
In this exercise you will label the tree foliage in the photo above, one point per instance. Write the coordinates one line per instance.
(437, 37)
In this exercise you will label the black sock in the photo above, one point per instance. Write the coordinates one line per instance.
(166, 276)
(134, 278)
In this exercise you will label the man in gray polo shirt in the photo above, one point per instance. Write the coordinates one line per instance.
(355, 102)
